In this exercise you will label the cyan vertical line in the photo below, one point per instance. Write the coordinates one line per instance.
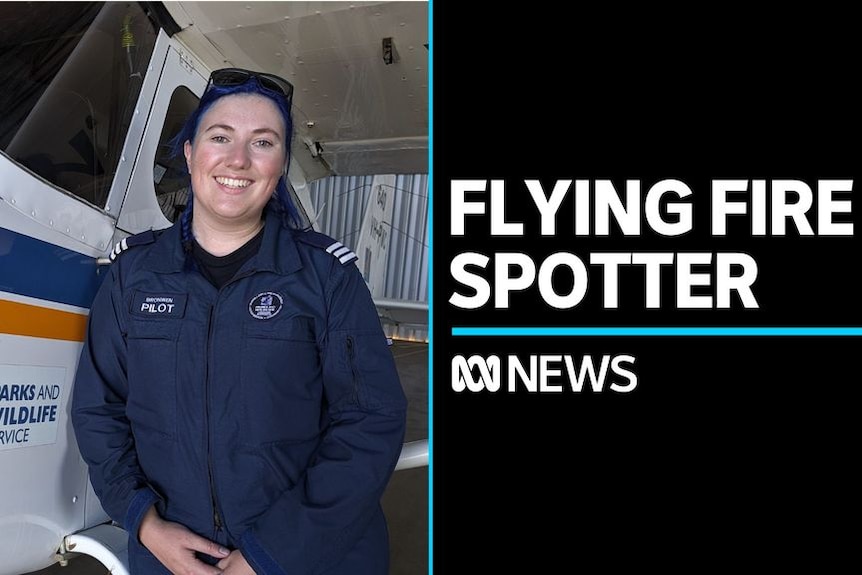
(431, 286)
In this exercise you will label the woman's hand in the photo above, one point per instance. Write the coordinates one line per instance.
(174, 545)
(235, 564)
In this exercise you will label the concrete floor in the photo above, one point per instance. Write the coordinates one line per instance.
(406, 499)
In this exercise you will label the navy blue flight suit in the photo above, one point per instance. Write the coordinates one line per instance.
(267, 415)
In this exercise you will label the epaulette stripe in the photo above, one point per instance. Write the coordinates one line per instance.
(342, 253)
(137, 240)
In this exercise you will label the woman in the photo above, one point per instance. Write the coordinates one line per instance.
(236, 401)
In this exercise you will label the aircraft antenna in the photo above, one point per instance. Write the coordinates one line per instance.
(127, 41)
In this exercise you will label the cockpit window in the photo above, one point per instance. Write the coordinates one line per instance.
(71, 73)
(169, 174)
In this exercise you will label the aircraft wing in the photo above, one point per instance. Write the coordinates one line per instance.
(402, 312)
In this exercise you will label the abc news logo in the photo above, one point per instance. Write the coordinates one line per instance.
(547, 373)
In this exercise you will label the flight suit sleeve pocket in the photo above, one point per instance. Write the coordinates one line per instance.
(364, 372)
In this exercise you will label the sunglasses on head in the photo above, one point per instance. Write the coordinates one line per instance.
(237, 76)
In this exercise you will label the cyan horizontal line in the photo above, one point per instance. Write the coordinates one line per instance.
(658, 331)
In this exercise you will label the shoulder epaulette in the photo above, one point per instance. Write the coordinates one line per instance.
(344, 254)
(140, 239)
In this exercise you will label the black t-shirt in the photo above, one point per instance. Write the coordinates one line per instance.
(220, 269)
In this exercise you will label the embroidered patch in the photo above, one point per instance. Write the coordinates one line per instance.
(265, 305)
(159, 304)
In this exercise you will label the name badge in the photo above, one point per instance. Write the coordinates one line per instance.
(159, 305)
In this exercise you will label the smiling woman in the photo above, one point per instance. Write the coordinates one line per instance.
(267, 345)
(236, 160)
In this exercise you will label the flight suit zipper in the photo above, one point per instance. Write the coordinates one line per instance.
(218, 515)
(217, 518)
(351, 359)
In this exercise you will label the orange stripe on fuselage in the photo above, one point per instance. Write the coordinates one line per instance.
(34, 321)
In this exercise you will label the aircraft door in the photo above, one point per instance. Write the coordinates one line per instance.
(156, 194)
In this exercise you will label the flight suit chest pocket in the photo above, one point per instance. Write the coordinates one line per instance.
(281, 381)
(151, 405)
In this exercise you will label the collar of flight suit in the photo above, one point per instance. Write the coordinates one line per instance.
(277, 253)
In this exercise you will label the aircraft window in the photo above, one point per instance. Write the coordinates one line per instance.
(71, 73)
(169, 174)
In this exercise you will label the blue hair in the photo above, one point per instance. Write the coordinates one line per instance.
(280, 201)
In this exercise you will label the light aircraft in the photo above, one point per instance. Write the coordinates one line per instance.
(90, 94)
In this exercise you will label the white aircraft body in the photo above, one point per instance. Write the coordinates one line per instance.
(91, 93)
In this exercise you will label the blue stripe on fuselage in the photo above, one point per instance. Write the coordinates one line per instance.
(34, 268)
